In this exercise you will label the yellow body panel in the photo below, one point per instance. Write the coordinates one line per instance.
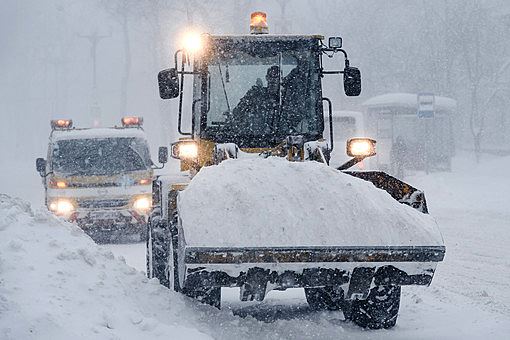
(206, 154)
(95, 180)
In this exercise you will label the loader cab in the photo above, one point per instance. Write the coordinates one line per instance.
(256, 90)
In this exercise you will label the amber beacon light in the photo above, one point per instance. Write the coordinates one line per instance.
(258, 23)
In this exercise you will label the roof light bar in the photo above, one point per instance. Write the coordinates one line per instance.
(132, 121)
(61, 124)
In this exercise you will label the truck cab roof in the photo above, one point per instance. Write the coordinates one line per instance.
(91, 133)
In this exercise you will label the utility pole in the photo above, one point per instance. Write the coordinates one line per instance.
(94, 40)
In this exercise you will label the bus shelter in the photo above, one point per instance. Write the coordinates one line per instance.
(406, 139)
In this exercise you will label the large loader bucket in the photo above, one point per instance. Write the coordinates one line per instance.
(335, 231)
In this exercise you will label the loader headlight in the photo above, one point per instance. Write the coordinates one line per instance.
(185, 150)
(61, 206)
(142, 204)
(192, 42)
(361, 147)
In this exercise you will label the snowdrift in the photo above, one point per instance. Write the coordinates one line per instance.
(55, 283)
(256, 202)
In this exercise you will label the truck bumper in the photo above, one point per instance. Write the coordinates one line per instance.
(112, 219)
(112, 225)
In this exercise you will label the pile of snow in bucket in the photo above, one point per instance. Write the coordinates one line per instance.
(256, 202)
(56, 283)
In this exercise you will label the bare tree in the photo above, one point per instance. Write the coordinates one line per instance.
(124, 11)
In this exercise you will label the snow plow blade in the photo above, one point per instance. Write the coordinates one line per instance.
(256, 269)
(313, 254)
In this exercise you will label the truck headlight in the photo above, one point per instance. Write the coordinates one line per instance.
(61, 206)
(185, 150)
(142, 204)
(361, 147)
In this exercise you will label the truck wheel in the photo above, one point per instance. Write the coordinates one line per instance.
(326, 298)
(207, 295)
(378, 310)
(158, 250)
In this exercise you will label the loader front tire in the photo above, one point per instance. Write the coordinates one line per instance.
(207, 295)
(325, 298)
(378, 310)
(158, 251)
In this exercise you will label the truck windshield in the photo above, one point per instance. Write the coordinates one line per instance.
(104, 156)
(258, 95)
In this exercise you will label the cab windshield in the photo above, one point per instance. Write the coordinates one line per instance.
(104, 156)
(258, 95)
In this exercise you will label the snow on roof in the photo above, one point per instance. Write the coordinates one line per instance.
(56, 283)
(256, 202)
(408, 100)
(267, 37)
(97, 133)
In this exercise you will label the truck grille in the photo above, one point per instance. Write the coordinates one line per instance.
(110, 203)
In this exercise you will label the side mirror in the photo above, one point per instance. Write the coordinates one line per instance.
(352, 81)
(163, 154)
(168, 82)
(40, 165)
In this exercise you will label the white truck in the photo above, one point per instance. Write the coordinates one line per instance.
(99, 178)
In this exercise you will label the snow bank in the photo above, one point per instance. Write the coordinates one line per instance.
(256, 202)
(55, 283)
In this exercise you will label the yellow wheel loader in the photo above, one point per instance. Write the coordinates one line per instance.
(260, 95)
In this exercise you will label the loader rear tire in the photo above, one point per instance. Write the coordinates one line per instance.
(378, 310)
(326, 298)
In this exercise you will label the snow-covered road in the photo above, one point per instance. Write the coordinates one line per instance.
(469, 297)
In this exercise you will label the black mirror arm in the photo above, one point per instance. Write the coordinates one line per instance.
(353, 161)
(336, 72)
(331, 72)
(334, 50)
(176, 54)
(46, 175)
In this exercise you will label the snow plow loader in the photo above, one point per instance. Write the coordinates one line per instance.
(259, 207)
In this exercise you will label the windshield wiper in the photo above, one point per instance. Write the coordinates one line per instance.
(224, 89)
